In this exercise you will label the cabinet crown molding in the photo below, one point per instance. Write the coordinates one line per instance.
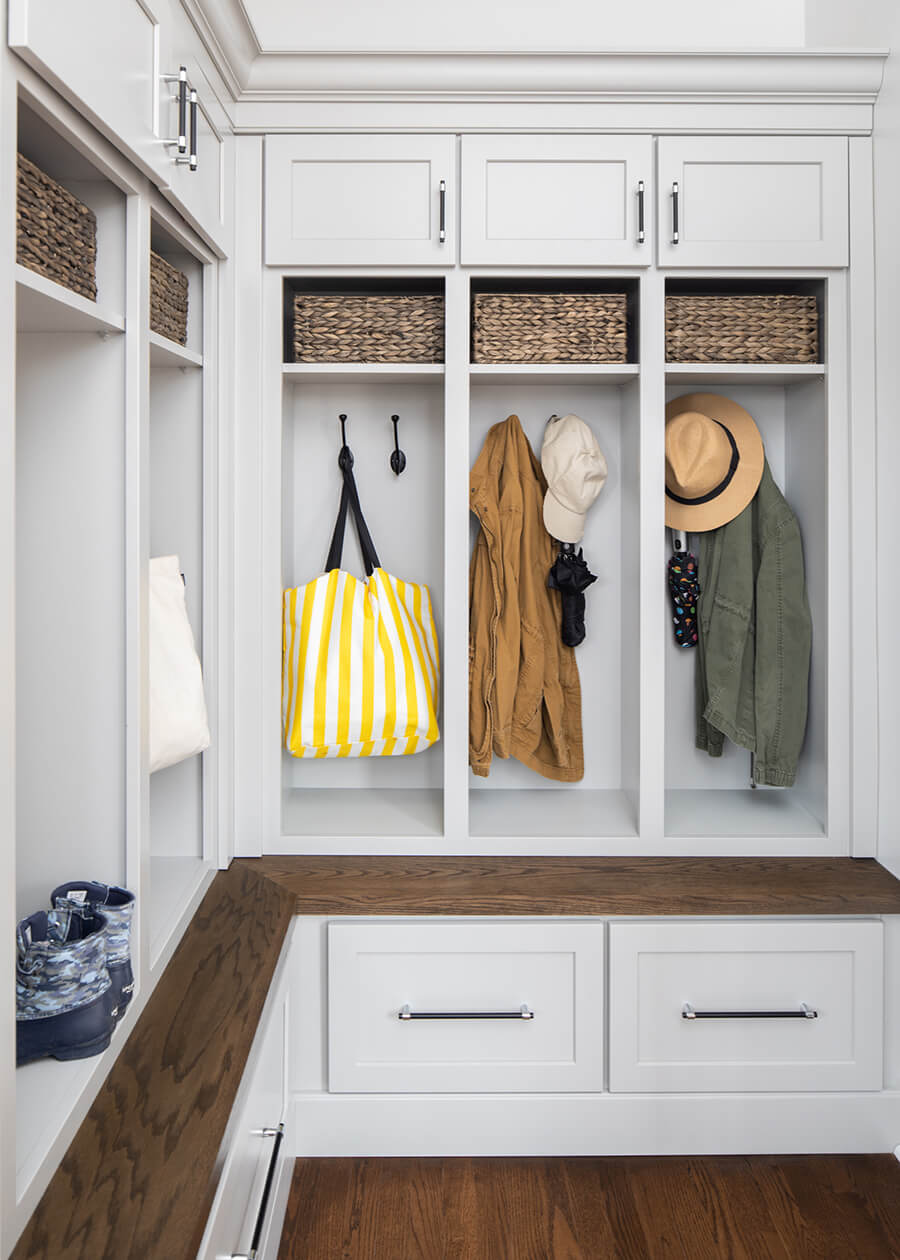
(812, 75)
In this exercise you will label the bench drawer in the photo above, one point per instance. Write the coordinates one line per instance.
(701, 1007)
(465, 1007)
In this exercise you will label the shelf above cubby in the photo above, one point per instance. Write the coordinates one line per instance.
(744, 812)
(168, 354)
(555, 813)
(553, 373)
(743, 373)
(42, 306)
(361, 373)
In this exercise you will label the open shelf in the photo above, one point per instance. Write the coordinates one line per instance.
(381, 812)
(716, 374)
(361, 373)
(165, 353)
(738, 812)
(553, 373)
(43, 306)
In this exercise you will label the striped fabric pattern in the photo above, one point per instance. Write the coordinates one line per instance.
(361, 668)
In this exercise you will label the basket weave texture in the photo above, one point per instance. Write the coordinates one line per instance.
(748, 329)
(56, 234)
(549, 328)
(368, 328)
(168, 300)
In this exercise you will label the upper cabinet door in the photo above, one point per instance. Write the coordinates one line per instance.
(557, 200)
(102, 57)
(360, 200)
(742, 201)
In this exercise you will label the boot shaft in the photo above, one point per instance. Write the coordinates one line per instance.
(116, 905)
(60, 963)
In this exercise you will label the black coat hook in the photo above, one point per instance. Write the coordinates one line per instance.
(345, 458)
(398, 459)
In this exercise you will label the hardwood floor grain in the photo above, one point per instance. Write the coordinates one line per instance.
(138, 1180)
(590, 886)
(835, 1207)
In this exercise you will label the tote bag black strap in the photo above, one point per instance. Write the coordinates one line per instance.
(350, 501)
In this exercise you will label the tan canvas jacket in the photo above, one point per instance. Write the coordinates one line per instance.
(524, 692)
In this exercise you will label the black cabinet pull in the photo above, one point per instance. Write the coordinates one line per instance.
(640, 197)
(194, 108)
(182, 109)
(805, 1012)
(522, 1013)
(442, 225)
(675, 230)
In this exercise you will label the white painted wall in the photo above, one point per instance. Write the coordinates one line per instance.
(524, 25)
(876, 23)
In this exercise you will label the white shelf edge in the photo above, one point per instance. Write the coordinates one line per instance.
(166, 353)
(361, 373)
(42, 305)
(164, 936)
(553, 373)
(744, 373)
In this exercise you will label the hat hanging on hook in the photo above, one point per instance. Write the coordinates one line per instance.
(398, 459)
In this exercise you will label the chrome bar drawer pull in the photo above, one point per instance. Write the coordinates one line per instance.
(253, 1253)
(805, 1012)
(522, 1013)
(640, 197)
(442, 225)
(675, 226)
(195, 106)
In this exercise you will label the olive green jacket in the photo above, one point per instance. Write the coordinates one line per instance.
(752, 676)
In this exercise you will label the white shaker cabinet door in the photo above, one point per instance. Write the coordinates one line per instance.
(360, 200)
(557, 200)
(103, 58)
(753, 201)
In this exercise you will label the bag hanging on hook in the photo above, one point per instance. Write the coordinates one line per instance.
(361, 673)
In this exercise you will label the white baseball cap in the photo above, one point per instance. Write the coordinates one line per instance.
(575, 468)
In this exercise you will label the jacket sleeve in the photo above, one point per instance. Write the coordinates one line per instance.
(481, 733)
(783, 641)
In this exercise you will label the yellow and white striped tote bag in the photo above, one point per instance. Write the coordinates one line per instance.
(361, 670)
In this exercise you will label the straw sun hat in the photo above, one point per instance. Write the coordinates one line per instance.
(714, 461)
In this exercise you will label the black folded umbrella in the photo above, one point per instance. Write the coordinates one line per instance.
(571, 576)
(684, 588)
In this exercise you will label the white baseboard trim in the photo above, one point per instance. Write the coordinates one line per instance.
(595, 1124)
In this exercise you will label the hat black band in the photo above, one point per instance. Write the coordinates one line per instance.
(723, 484)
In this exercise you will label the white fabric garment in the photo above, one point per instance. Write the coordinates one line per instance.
(178, 721)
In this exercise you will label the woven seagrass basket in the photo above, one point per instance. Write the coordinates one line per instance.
(168, 300)
(368, 328)
(56, 234)
(549, 328)
(777, 328)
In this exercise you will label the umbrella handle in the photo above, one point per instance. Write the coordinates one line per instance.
(679, 541)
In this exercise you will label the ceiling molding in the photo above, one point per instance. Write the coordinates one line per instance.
(821, 76)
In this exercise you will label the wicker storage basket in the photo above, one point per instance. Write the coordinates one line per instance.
(56, 235)
(549, 328)
(747, 329)
(370, 328)
(168, 300)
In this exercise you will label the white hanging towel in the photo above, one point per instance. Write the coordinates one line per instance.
(178, 723)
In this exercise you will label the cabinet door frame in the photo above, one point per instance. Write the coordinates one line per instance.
(676, 153)
(634, 151)
(283, 249)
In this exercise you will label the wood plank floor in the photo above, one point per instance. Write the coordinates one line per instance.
(834, 1207)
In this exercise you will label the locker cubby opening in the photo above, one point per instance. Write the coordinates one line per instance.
(388, 797)
(355, 286)
(514, 801)
(48, 149)
(176, 450)
(742, 286)
(629, 286)
(711, 797)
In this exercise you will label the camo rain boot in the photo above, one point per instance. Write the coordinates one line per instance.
(116, 905)
(63, 1008)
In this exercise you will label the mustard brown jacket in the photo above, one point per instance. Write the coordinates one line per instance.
(524, 692)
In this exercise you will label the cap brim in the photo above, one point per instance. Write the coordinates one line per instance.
(699, 517)
(562, 524)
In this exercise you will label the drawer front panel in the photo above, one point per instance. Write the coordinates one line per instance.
(360, 200)
(439, 1007)
(534, 200)
(748, 201)
(703, 1007)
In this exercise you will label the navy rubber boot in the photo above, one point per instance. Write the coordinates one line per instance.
(63, 1008)
(116, 905)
